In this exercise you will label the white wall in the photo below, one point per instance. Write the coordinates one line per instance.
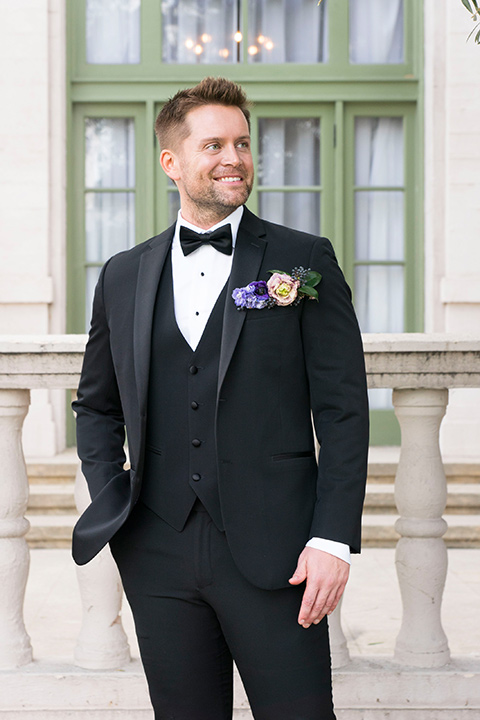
(32, 182)
(452, 199)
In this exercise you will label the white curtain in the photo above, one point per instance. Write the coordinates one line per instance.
(200, 31)
(109, 196)
(376, 31)
(379, 230)
(284, 31)
(113, 31)
(290, 156)
(379, 226)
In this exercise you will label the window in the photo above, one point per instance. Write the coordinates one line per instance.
(336, 134)
(112, 32)
(109, 192)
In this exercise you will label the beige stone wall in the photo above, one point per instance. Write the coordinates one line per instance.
(32, 189)
(460, 290)
(452, 199)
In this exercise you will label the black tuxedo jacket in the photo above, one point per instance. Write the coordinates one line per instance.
(278, 369)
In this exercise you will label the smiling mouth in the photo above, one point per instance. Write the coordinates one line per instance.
(229, 179)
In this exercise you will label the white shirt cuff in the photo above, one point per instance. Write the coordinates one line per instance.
(332, 547)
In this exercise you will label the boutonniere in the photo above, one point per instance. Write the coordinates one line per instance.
(281, 289)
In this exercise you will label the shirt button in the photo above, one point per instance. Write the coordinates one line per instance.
(196, 477)
(196, 442)
(194, 405)
(193, 369)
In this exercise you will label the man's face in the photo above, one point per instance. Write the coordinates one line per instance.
(213, 166)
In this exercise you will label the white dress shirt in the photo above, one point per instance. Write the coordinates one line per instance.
(198, 279)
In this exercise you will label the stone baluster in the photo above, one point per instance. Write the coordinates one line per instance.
(421, 555)
(338, 641)
(102, 643)
(15, 646)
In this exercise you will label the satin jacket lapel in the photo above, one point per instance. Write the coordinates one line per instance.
(247, 260)
(150, 269)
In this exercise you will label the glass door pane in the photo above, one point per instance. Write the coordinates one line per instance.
(379, 223)
(288, 172)
(109, 194)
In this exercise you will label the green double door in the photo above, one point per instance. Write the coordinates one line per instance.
(344, 170)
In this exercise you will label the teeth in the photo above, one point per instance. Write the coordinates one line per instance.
(229, 179)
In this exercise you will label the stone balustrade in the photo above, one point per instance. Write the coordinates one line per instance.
(419, 368)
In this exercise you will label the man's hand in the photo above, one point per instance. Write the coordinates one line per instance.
(326, 577)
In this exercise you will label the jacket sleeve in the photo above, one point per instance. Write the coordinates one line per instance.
(100, 422)
(338, 396)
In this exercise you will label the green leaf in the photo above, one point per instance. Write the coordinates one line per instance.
(281, 272)
(467, 5)
(307, 290)
(477, 38)
(313, 278)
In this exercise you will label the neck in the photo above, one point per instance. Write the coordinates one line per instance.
(205, 221)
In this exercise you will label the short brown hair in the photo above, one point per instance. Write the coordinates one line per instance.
(170, 125)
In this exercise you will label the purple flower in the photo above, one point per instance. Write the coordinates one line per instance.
(253, 296)
(281, 289)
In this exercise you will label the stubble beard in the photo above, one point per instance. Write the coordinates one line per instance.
(212, 205)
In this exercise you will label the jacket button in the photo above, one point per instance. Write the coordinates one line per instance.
(193, 369)
(196, 477)
(194, 405)
(196, 442)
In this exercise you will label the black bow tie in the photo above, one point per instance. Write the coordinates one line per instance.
(220, 239)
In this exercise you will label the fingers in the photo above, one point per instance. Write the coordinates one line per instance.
(318, 603)
(300, 573)
(326, 577)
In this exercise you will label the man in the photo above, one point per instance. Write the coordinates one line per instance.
(230, 541)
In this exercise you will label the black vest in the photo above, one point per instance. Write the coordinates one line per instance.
(180, 453)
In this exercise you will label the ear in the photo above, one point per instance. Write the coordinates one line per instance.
(170, 165)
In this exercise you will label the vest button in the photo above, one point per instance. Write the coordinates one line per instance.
(196, 477)
(194, 405)
(193, 369)
(196, 442)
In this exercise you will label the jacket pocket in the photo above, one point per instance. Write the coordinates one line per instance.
(293, 455)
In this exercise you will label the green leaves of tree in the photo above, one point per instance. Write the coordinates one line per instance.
(473, 8)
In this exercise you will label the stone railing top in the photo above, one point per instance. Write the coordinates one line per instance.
(405, 360)
(422, 360)
(41, 344)
(420, 342)
(41, 361)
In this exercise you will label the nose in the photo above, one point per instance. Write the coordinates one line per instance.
(230, 156)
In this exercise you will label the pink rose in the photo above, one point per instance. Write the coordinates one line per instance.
(282, 288)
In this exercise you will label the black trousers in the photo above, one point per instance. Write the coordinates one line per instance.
(194, 612)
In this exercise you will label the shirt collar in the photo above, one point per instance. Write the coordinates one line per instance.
(233, 219)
